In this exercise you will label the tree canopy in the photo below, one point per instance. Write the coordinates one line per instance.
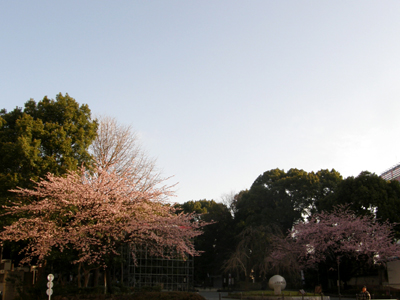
(254, 246)
(217, 238)
(117, 148)
(46, 136)
(282, 198)
(340, 233)
(94, 214)
(367, 194)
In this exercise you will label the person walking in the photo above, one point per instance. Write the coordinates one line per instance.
(364, 295)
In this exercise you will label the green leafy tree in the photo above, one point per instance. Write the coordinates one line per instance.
(217, 238)
(367, 194)
(281, 198)
(49, 136)
(274, 203)
(46, 136)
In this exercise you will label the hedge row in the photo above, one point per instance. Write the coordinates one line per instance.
(137, 296)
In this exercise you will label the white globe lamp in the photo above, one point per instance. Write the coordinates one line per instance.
(277, 283)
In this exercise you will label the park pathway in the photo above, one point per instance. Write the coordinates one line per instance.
(213, 295)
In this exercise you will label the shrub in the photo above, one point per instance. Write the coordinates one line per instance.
(155, 288)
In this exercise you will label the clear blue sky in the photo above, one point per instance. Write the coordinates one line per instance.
(220, 91)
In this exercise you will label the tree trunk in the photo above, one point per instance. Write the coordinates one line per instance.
(108, 280)
(79, 275)
(122, 273)
(338, 272)
(246, 280)
(105, 282)
(96, 277)
(87, 277)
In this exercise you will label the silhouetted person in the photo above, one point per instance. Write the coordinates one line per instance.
(364, 295)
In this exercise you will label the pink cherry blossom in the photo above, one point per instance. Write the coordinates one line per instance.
(95, 213)
(336, 234)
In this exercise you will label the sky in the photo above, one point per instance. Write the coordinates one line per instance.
(219, 91)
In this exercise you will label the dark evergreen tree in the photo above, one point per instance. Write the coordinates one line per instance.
(216, 241)
(367, 194)
(281, 198)
(46, 136)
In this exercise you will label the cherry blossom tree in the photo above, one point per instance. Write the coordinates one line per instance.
(343, 233)
(96, 212)
(338, 234)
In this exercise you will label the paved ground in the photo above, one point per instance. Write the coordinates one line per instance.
(213, 295)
